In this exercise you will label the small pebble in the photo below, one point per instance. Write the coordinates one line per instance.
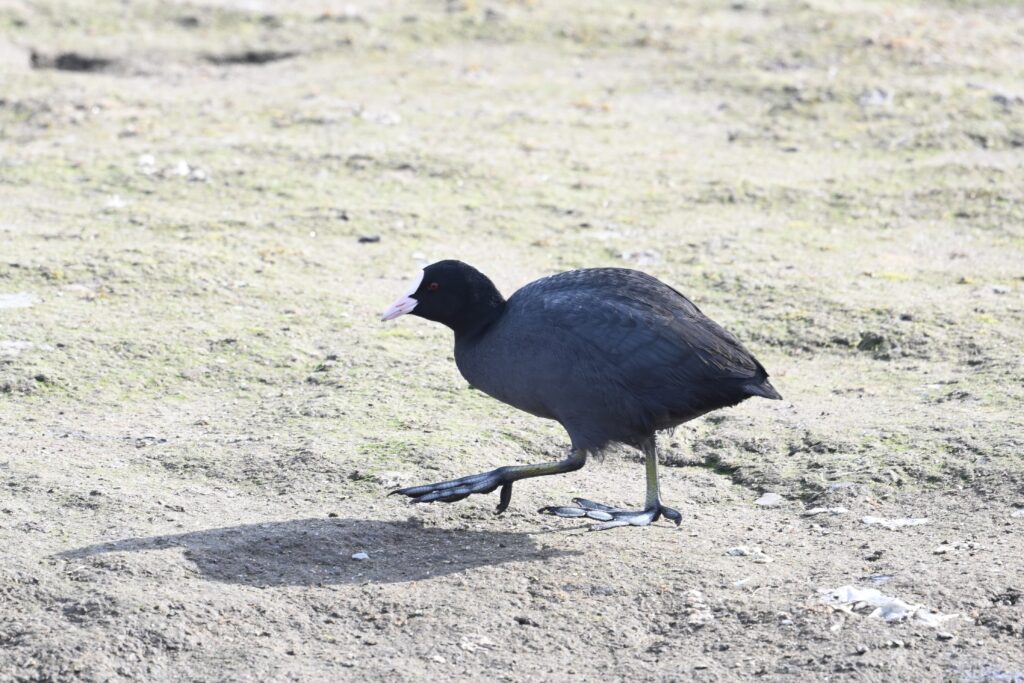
(895, 523)
(769, 499)
(875, 97)
(832, 511)
(360, 556)
(754, 553)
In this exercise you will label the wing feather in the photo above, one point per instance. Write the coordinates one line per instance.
(649, 334)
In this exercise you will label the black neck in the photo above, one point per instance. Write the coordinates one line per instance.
(477, 317)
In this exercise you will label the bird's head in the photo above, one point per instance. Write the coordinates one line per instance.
(452, 293)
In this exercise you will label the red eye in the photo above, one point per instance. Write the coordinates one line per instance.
(433, 286)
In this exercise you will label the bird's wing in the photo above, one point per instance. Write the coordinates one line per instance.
(650, 333)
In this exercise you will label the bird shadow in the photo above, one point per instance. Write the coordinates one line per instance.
(314, 552)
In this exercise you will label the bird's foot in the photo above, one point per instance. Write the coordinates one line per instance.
(611, 517)
(457, 489)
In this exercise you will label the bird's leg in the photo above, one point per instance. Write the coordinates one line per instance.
(485, 482)
(611, 517)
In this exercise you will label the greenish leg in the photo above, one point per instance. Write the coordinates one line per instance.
(611, 517)
(651, 465)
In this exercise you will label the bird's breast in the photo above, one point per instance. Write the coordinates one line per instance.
(500, 373)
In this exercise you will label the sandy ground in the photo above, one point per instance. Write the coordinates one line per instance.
(200, 413)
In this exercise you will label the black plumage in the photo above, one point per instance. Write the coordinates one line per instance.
(614, 355)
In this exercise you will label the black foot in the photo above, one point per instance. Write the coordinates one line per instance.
(457, 489)
(613, 517)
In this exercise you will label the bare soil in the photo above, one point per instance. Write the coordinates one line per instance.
(204, 206)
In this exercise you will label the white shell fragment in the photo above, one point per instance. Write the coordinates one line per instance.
(852, 599)
(894, 523)
(360, 556)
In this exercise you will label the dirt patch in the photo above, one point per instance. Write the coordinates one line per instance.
(200, 414)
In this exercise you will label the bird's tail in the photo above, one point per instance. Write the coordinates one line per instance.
(763, 389)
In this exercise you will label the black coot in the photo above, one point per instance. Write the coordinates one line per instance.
(614, 355)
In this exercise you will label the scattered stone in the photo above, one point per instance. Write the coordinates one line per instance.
(894, 523)
(870, 341)
(944, 635)
(698, 613)
(180, 169)
(1000, 289)
(821, 511)
(1009, 598)
(369, 239)
(755, 553)
(115, 202)
(526, 621)
(1018, 513)
(769, 500)
(147, 164)
(875, 97)
(360, 556)
(643, 257)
